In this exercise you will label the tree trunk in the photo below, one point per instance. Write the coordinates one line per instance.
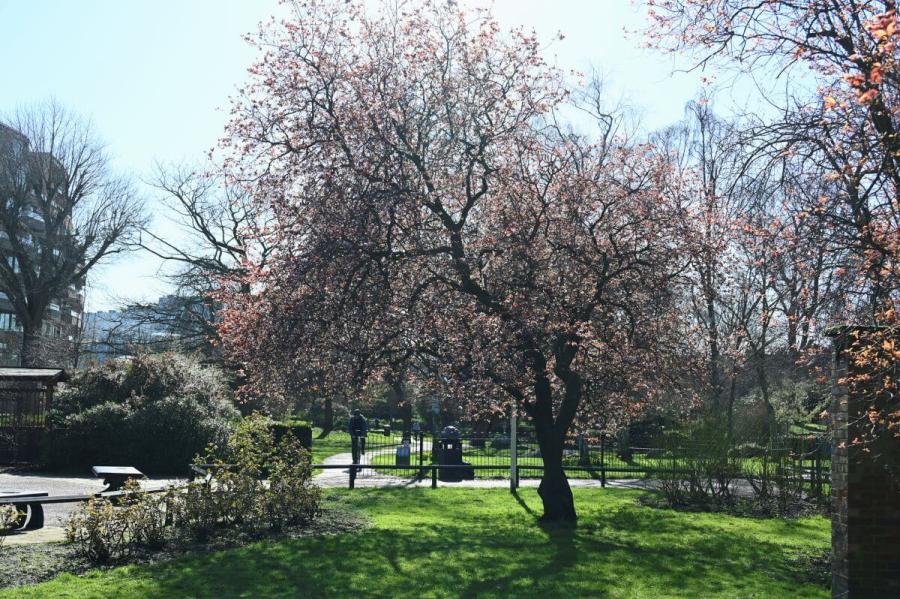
(406, 413)
(731, 398)
(397, 383)
(767, 402)
(715, 379)
(559, 504)
(556, 495)
(30, 354)
(327, 418)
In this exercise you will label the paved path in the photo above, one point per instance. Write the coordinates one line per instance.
(340, 477)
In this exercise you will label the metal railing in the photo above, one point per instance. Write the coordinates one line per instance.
(600, 458)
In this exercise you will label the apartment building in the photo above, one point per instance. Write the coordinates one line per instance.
(62, 320)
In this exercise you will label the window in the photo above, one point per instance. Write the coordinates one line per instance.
(4, 235)
(54, 307)
(3, 295)
(51, 330)
(13, 263)
(56, 252)
(8, 322)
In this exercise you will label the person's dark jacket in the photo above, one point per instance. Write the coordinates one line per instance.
(358, 427)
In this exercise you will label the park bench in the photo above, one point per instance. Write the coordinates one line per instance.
(32, 502)
(32, 516)
(35, 503)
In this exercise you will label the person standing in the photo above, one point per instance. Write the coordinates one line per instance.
(358, 428)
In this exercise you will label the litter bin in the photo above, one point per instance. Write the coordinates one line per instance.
(403, 455)
(448, 452)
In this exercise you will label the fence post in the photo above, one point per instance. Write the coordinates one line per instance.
(603, 460)
(513, 451)
(817, 465)
(434, 476)
(421, 446)
(352, 476)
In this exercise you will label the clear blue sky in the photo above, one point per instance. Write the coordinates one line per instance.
(155, 75)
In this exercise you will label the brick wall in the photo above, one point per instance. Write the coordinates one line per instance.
(865, 489)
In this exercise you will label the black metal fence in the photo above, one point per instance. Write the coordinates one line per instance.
(22, 419)
(22, 407)
(804, 461)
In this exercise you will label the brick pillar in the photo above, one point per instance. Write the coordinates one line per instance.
(865, 477)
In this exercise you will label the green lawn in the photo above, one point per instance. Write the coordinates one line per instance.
(616, 467)
(335, 442)
(339, 442)
(487, 543)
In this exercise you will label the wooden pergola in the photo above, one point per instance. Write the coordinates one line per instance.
(25, 395)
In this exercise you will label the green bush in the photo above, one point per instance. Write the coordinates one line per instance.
(98, 531)
(500, 442)
(9, 515)
(237, 493)
(102, 531)
(301, 430)
(153, 412)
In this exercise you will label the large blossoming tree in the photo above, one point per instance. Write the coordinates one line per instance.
(429, 209)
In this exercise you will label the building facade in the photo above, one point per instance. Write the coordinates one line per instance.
(62, 322)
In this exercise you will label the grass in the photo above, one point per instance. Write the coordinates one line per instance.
(339, 442)
(336, 442)
(487, 543)
(639, 466)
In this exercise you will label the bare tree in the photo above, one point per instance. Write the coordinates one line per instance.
(702, 151)
(210, 240)
(63, 211)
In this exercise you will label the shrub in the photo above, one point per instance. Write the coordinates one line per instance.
(146, 514)
(199, 509)
(500, 442)
(301, 429)
(237, 493)
(154, 412)
(9, 516)
(290, 497)
(166, 434)
(98, 532)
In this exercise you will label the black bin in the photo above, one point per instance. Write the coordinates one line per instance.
(448, 452)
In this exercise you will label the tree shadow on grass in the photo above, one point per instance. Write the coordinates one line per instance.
(524, 505)
(488, 548)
